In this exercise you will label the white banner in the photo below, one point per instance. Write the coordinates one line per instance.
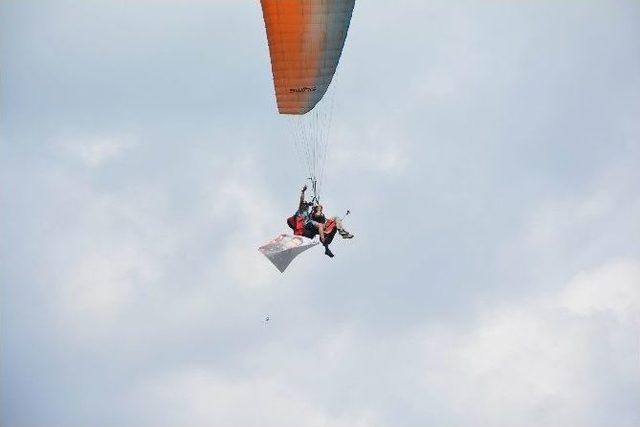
(284, 248)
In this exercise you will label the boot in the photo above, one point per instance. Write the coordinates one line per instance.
(345, 234)
(328, 252)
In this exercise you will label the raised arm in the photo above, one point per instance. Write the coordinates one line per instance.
(302, 202)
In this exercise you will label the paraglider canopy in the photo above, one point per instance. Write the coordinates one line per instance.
(306, 38)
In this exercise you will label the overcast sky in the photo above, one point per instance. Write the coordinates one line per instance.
(489, 152)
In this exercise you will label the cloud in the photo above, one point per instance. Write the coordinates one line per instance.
(589, 222)
(105, 249)
(199, 398)
(564, 358)
(377, 148)
(569, 357)
(95, 152)
(542, 360)
(611, 290)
